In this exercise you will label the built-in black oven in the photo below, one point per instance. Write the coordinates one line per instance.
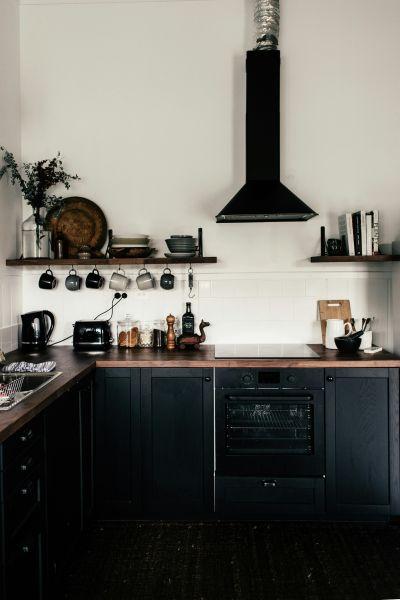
(270, 422)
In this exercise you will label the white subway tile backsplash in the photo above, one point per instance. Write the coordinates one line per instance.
(270, 288)
(237, 288)
(294, 288)
(338, 289)
(305, 309)
(317, 288)
(281, 309)
(204, 288)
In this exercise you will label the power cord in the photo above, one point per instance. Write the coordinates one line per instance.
(117, 296)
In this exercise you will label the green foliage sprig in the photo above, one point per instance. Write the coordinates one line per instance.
(35, 179)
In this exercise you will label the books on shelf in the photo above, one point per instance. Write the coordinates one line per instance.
(359, 232)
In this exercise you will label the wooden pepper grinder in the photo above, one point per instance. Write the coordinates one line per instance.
(171, 345)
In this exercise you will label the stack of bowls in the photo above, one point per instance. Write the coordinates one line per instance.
(134, 246)
(181, 246)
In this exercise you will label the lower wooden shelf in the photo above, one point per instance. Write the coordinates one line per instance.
(342, 259)
(31, 262)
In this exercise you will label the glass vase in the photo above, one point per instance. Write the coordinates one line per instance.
(35, 238)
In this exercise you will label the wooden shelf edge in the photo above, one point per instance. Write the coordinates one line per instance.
(43, 262)
(342, 259)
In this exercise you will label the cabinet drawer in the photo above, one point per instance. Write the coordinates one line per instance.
(266, 496)
(22, 468)
(22, 502)
(20, 441)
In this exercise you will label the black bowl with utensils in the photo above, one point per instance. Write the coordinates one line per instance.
(349, 344)
(73, 281)
(47, 281)
(167, 280)
(94, 280)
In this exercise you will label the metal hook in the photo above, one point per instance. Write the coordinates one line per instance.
(190, 282)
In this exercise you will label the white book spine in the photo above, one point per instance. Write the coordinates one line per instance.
(375, 232)
(350, 234)
(368, 225)
(363, 234)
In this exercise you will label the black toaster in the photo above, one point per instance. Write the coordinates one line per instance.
(92, 335)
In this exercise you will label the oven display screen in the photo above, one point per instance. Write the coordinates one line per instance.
(269, 378)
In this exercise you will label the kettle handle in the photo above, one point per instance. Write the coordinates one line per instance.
(51, 317)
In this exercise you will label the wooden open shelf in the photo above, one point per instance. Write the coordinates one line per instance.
(347, 259)
(43, 262)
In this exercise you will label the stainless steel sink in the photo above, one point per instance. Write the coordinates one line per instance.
(31, 382)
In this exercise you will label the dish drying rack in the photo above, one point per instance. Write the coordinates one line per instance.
(9, 393)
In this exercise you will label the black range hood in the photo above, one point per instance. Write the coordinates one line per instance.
(263, 197)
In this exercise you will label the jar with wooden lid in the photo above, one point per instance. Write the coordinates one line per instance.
(128, 332)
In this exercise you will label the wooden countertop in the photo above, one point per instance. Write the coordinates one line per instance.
(75, 366)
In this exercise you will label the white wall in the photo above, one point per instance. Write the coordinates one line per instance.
(10, 206)
(146, 101)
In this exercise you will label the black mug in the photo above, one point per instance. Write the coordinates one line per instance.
(73, 281)
(167, 279)
(47, 281)
(94, 280)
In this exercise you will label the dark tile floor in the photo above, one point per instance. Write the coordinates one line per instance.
(236, 561)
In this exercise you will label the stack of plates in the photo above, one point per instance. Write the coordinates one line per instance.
(181, 246)
(135, 246)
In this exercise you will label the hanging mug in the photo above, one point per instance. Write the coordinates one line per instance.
(119, 282)
(73, 281)
(167, 280)
(145, 280)
(94, 280)
(47, 281)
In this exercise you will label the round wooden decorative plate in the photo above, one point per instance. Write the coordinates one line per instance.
(81, 222)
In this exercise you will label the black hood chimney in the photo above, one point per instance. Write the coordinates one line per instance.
(264, 197)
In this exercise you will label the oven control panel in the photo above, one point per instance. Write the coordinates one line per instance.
(269, 379)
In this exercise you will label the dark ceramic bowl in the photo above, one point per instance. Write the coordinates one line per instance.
(348, 344)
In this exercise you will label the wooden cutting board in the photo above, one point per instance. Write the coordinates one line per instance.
(333, 309)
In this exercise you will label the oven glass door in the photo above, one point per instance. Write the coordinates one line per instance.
(274, 426)
(270, 434)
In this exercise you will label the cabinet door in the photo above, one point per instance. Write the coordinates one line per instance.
(117, 443)
(362, 442)
(86, 449)
(63, 478)
(177, 416)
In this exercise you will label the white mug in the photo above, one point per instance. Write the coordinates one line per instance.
(335, 328)
(119, 282)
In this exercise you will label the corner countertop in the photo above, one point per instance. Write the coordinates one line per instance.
(75, 366)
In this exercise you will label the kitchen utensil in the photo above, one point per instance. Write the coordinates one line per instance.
(80, 222)
(92, 335)
(366, 340)
(190, 282)
(119, 282)
(94, 280)
(333, 309)
(37, 327)
(334, 247)
(336, 328)
(180, 254)
(73, 281)
(348, 344)
(47, 281)
(145, 280)
(167, 279)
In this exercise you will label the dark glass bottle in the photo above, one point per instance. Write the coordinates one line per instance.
(188, 320)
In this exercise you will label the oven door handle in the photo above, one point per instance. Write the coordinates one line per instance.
(260, 399)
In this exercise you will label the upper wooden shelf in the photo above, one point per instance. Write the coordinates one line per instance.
(43, 262)
(342, 259)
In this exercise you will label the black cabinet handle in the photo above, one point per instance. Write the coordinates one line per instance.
(208, 379)
(27, 465)
(268, 483)
(25, 549)
(329, 378)
(25, 437)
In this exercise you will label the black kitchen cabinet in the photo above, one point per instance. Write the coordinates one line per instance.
(362, 459)
(22, 513)
(117, 443)
(177, 429)
(69, 472)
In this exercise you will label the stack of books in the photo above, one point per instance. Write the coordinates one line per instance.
(359, 233)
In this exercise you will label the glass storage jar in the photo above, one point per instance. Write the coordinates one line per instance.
(146, 335)
(128, 333)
